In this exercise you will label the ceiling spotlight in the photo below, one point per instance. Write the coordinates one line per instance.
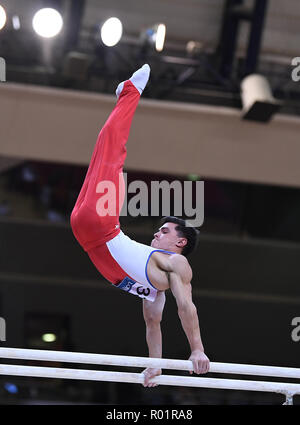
(258, 101)
(111, 32)
(160, 37)
(2, 17)
(194, 48)
(154, 36)
(47, 22)
(16, 22)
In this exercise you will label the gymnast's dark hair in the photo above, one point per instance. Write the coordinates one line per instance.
(184, 230)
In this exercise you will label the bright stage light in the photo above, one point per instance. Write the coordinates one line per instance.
(154, 37)
(47, 22)
(16, 22)
(160, 37)
(49, 337)
(111, 32)
(2, 17)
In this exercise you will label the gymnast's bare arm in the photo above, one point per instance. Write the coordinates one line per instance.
(179, 276)
(152, 312)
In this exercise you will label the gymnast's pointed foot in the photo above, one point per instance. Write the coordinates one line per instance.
(139, 79)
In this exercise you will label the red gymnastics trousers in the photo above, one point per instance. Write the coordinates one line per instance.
(91, 228)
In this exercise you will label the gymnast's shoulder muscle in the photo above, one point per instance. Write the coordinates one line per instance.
(176, 263)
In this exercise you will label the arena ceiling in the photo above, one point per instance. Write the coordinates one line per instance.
(211, 45)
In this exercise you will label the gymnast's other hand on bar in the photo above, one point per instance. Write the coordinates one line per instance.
(200, 362)
(149, 373)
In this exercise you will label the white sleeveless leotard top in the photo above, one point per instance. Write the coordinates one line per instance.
(133, 258)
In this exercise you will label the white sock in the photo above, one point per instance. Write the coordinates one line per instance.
(119, 89)
(139, 79)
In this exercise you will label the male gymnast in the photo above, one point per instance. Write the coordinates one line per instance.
(142, 270)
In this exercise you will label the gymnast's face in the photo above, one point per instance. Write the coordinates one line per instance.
(167, 238)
